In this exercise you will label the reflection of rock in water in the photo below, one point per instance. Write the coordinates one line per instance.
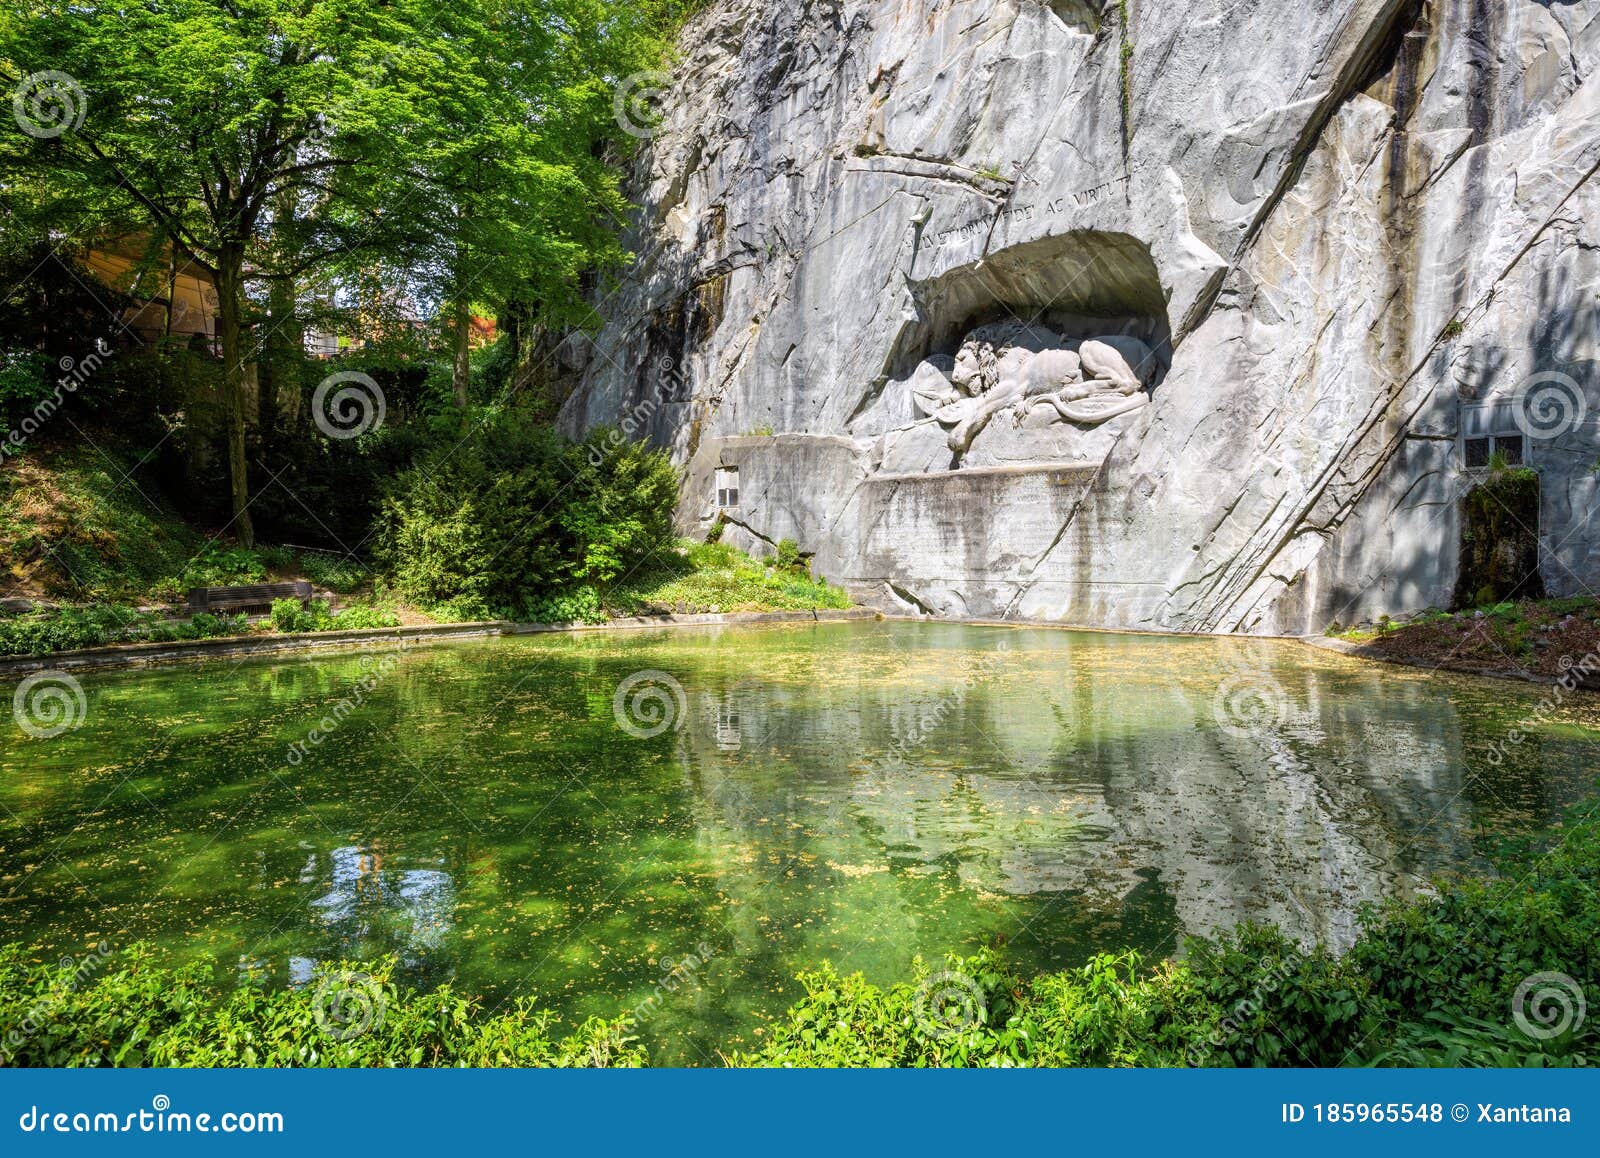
(1056, 778)
(370, 910)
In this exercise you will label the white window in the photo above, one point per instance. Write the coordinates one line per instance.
(1490, 428)
(730, 733)
(727, 488)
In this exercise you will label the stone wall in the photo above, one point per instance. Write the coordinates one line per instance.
(1336, 222)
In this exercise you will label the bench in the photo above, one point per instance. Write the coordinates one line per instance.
(258, 596)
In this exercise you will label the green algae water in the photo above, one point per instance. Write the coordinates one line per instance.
(674, 823)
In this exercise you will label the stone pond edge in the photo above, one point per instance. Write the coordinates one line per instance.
(126, 655)
(135, 655)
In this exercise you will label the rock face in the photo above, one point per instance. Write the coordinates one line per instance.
(1357, 239)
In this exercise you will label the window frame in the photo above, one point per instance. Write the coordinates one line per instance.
(726, 487)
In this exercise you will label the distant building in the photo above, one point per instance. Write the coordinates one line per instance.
(172, 297)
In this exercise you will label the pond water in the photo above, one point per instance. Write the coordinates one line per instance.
(571, 817)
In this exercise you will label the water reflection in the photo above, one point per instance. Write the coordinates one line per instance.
(1068, 772)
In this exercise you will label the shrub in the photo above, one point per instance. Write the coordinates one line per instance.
(289, 617)
(341, 574)
(516, 515)
(137, 1013)
(219, 566)
(68, 629)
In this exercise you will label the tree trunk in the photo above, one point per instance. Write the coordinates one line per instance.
(463, 343)
(230, 300)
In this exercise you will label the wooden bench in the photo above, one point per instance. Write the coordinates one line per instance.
(259, 596)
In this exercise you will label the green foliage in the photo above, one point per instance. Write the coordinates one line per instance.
(340, 574)
(576, 605)
(1499, 550)
(224, 566)
(202, 626)
(86, 525)
(131, 1011)
(41, 633)
(289, 617)
(515, 515)
(23, 386)
(71, 628)
(789, 557)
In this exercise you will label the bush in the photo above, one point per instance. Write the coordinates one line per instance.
(289, 617)
(96, 626)
(134, 1012)
(68, 629)
(202, 626)
(499, 523)
(219, 566)
(341, 574)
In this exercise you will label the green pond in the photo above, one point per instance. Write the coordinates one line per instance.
(581, 818)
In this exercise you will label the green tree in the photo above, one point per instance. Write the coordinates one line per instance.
(223, 128)
(523, 195)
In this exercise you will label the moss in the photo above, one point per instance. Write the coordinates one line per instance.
(1125, 73)
(1500, 541)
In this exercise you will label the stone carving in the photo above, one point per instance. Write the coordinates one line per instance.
(1037, 375)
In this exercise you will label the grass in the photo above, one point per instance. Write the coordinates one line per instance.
(714, 577)
(75, 524)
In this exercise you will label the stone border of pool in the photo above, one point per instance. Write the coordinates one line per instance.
(124, 655)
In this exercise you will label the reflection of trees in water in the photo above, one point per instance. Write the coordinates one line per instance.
(369, 910)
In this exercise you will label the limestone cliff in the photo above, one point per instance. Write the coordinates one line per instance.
(1347, 229)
